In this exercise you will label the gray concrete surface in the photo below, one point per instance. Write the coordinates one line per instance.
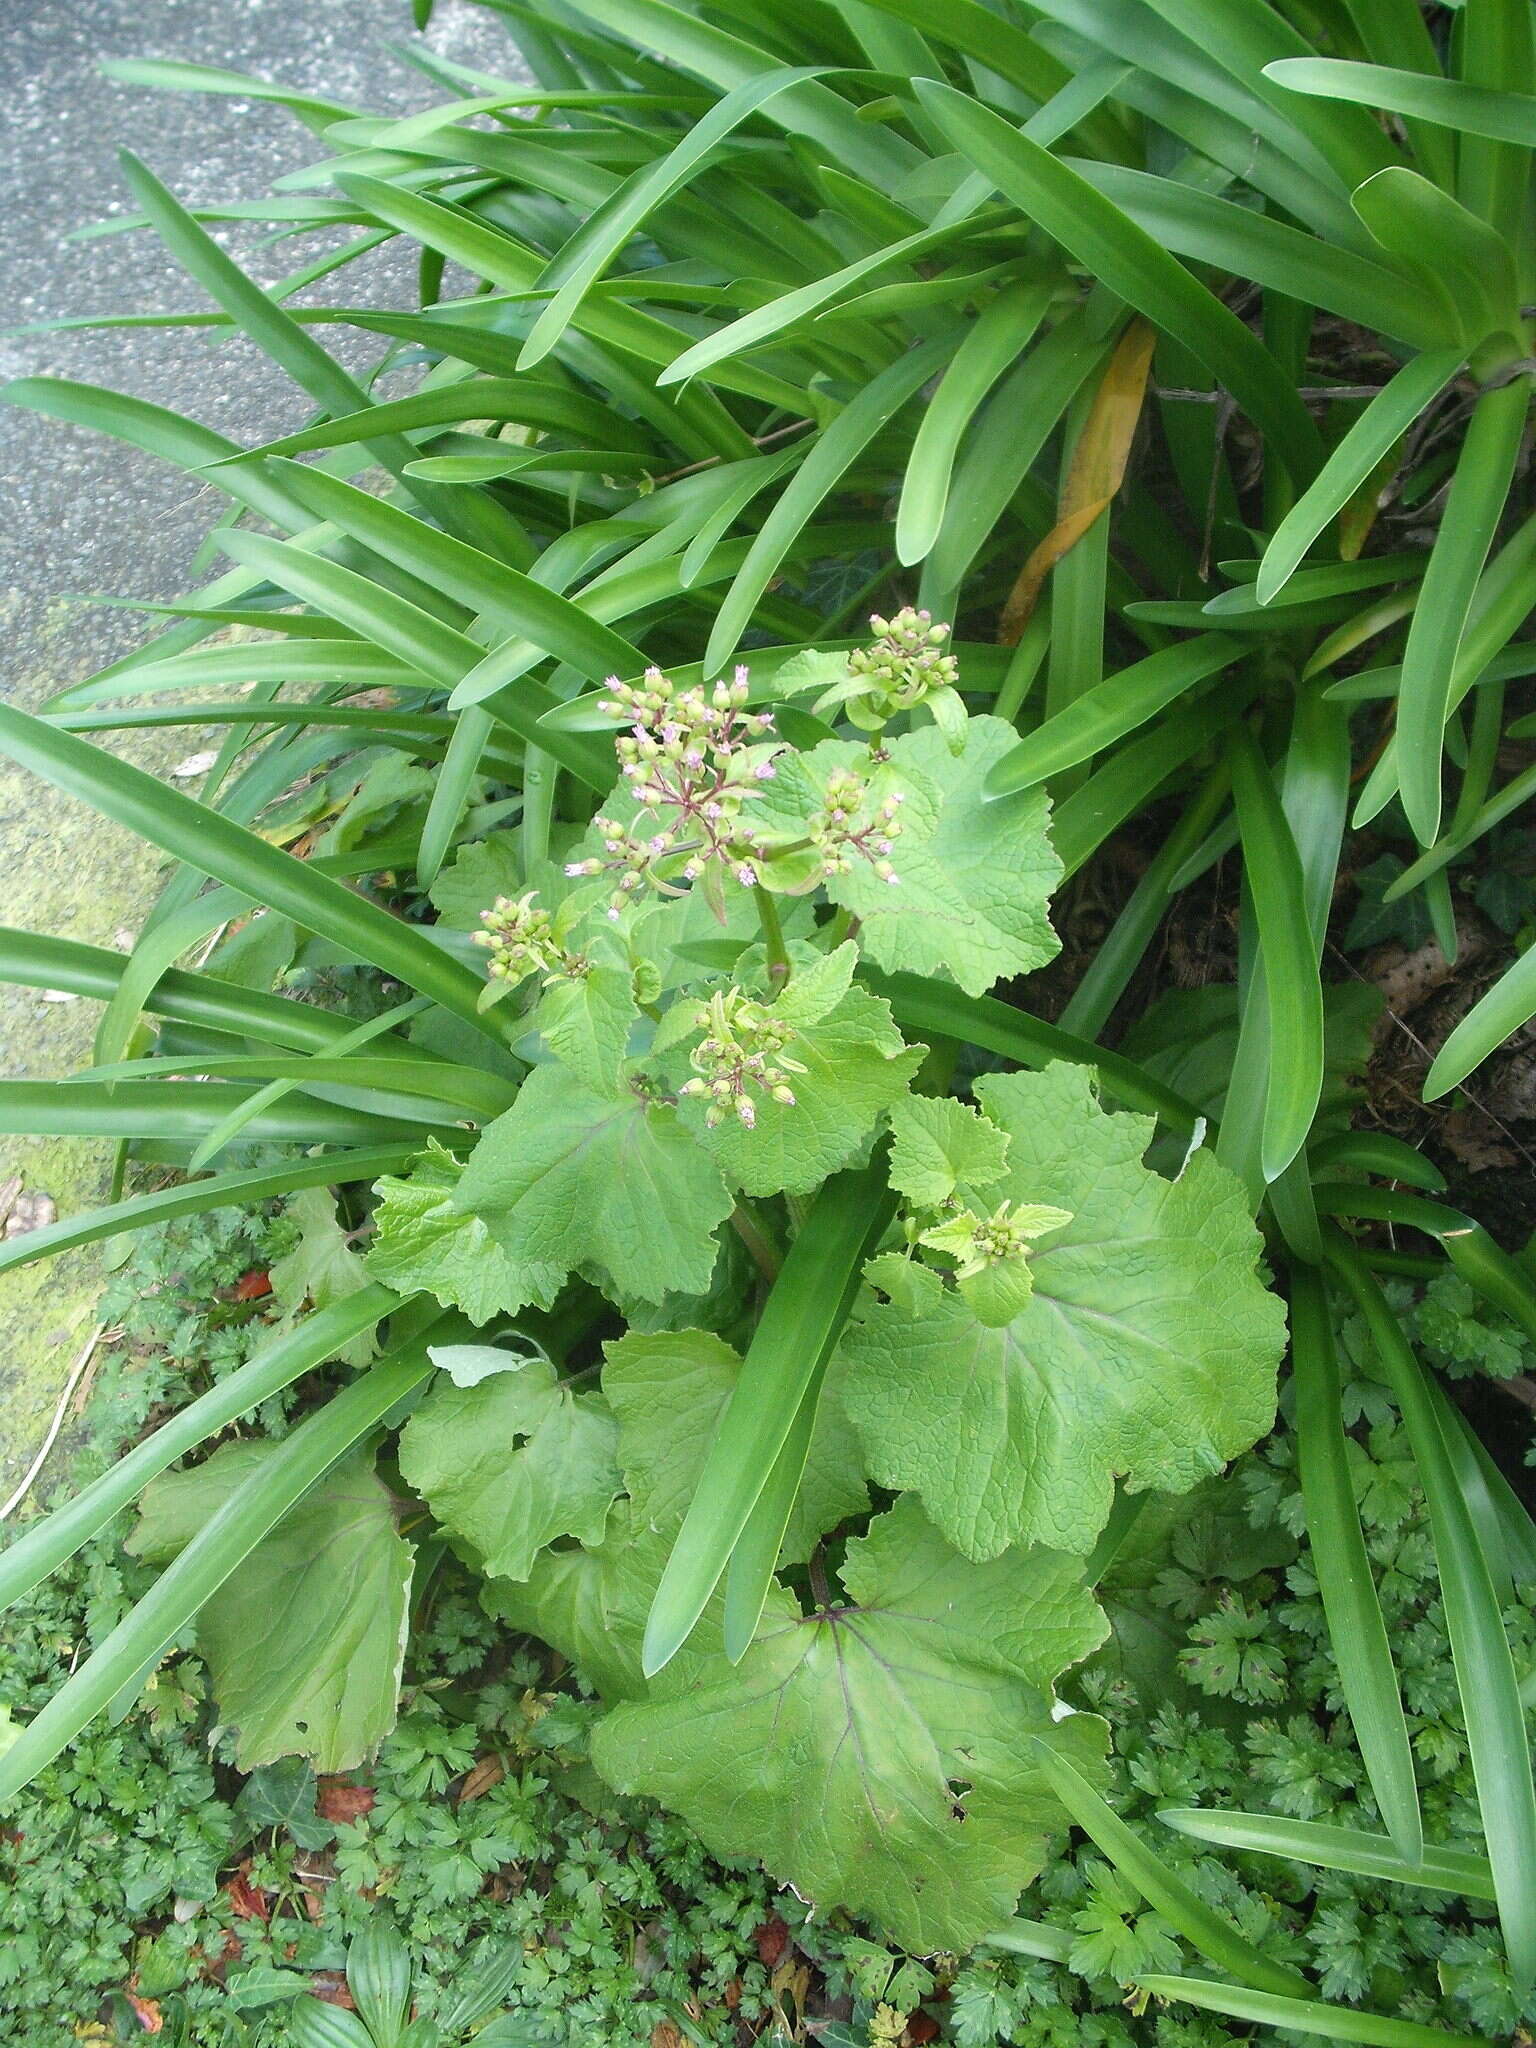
(82, 514)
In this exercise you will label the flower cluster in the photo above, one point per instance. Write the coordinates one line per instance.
(903, 668)
(740, 1055)
(693, 760)
(979, 1242)
(521, 940)
(848, 823)
(906, 662)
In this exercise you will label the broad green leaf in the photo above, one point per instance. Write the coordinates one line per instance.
(321, 1269)
(849, 1066)
(479, 872)
(590, 1603)
(585, 1019)
(941, 1148)
(1147, 1351)
(423, 1242)
(669, 1391)
(572, 1177)
(512, 1462)
(1447, 102)
(974, 875)
(304, 1640)
(835, 1749)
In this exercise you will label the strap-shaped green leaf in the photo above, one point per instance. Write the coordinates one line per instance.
(1334, 1848)
(1485, 1670)
(214, 846)
(224, 1541)
(804, 1313)
(1356, 1630)
(1307, 2015)
(44, 1545)
(1293, 990)
(1447, 102)
(1161, 1886)
(1131, 264)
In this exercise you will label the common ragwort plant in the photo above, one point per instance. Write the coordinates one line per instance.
(706, 1198)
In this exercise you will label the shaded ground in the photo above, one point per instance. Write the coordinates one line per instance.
(80, 514)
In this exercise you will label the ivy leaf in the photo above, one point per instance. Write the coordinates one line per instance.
(941, 1149)
(974, 876)
(304, 1640)
(477, 875)
(585, 1020)
(571, 1176)
(870, 1752)
(424, 1243)
(1148, 1347)
(512, 1462)
(322, 1267)
(282, 1795)
(669, 1391)
(853, 1064)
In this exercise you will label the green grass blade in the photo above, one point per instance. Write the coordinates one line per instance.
(804, 1313)
(217, 1550)
(1136, 771)
(1351, 1606)
(944, 1011)
(1307, 2015)
(45, 1544)
(1507, 1007)
(217, 1191)
(1113, 708)
(1485, 1669)
(526, 401)
(180, 1113)
(1131, 264)
(1160, 1885)
(1446, 102)
(1293, 990)
(1380, 426)
(476, 580)
(1332, 1848)
(604, 233)
(1000, 335)
(838, 447)
(227, 852)
(749, 1574)
(472, 730)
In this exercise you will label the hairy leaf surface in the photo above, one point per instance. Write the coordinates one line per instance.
(1148, 1347)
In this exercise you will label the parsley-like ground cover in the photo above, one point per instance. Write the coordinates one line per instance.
(143, 1863)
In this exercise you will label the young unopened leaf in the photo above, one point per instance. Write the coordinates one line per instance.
(871, 1752)
(512, 1462)
(304, 1640)
(1147, 1350)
